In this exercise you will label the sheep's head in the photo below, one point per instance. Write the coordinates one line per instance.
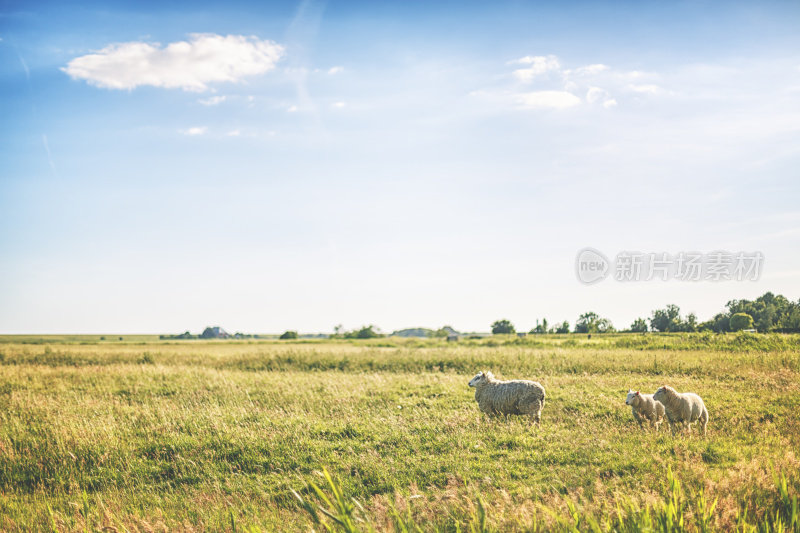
(479, 378)
(663, 392)
(631, 395)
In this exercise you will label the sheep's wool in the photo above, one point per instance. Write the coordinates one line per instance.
(682, 409)
(645, 408)
(516, 397)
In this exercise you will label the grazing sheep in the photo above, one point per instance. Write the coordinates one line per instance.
(644, 407)
(682, 408)
(517, 397)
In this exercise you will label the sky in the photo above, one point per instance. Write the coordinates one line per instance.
(264, 166)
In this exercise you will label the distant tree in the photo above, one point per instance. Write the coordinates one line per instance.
(770, 312)
(791, 319)
(690, 324)
(288, 335)
(587, 323)
(604, 325)
(444, 331)
(563, 327)
(502, 326)
(666, 319)
(719, 324)
(639, 326)
(591, 322)
(740, 321)
(540, 328)
(366, 332)
(669, 319)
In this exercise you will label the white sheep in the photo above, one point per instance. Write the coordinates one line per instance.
(683, 409)
(517, 397)
(644, 407)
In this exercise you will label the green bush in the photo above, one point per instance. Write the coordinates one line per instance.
(740, 321)
(500, 327)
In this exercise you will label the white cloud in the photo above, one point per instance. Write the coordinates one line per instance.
(591, 70)
(189, 65)
(538, 65)
(339, 105)
(233, 133)
(594, 94)
(557, 87)
(213, 100)
(547, 100)
(571, 86)
(598, 95)
(335, 70)
(291, 109)
(647, 89)
(197, 130)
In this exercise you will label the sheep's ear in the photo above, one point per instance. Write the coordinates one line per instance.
(637, 393)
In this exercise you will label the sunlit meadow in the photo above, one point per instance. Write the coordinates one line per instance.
(148, 435)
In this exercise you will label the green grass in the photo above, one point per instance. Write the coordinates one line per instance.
(210, 435)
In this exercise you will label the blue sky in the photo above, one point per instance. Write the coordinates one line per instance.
(269, 166)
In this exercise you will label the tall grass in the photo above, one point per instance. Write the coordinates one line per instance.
(334, 510)
(216, 435)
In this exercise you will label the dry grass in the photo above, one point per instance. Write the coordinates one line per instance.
(198, 436)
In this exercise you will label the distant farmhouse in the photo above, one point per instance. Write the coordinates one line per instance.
(215, 332)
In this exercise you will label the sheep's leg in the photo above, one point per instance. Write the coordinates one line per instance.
(638, 418)
(536, 415)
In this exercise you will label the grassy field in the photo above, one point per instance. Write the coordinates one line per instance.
(148, 435)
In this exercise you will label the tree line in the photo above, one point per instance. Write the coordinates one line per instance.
(767, 313)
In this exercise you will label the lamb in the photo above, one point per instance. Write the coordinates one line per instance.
(644, 407)
(682, 409)
(517, 397)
